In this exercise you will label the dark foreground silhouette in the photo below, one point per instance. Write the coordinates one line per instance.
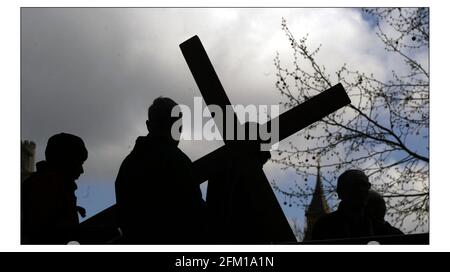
(375, 209)
(350, 220)
(49, 208)
(157, 198)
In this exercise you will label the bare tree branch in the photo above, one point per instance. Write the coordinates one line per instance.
(385, 130)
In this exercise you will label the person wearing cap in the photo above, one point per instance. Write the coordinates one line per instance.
(349, 221)
(49, 211)
(158, 201)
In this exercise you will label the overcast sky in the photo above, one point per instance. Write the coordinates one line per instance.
(94, 72)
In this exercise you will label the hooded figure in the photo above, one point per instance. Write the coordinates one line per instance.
(349, 221)
(49, 208)
(376, 210)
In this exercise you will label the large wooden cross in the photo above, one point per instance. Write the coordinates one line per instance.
(248, 212)
(252, 211)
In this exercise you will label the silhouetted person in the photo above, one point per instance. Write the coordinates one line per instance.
(349, 221)
(48, 202)
(233, 195)
(376, 210)
(157, 199)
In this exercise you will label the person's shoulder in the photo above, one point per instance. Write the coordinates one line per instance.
(327, 219)
(30, 182)
(393, 230)
(127, 164)
(40, 177)
(134, 156)
(177, 155)
(323, 228)
(43, 183)
(184, 156)
(330, 216)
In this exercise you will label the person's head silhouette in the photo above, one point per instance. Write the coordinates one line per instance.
(376, 207)
(353, 188)
(66, 153)
(160, 121)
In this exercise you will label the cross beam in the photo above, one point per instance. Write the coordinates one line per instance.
(206, 78)
(290, 122)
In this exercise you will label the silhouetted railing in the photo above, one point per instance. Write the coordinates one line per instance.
(410, 239)
(102, 229)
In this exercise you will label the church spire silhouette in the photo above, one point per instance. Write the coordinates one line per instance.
(318, 206)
